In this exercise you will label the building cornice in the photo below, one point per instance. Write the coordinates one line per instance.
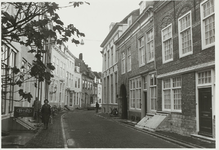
(192, 68)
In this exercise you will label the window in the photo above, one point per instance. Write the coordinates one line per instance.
(204, 77)
(153, 94)
(111, 88)
(111, 55)
(79, 83)
(129, 59)
(116, 85)
(105, 60)
(185, 35)
(108, 54)
(57, 67)
(8, 59)
(167, 44)
(207, 23)
(150, 45)
(117, 55)
(123, 63)
(135, 93)
(141, 51)
(172, 94)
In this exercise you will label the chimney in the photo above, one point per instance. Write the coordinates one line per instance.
(81, 56)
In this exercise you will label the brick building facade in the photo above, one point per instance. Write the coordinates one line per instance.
(136, 65)
(166, 67)
(185, 59)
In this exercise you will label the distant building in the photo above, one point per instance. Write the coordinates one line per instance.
(87, 80)
(58, 84)
(98, 88)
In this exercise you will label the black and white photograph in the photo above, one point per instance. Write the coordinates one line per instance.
(108, 74)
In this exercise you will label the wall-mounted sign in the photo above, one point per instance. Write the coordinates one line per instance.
(23, 111)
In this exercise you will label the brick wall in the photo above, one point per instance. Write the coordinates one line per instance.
(167, 15)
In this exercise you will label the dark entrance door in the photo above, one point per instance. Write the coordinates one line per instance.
(205, 112)
(145, 98)
(124, 102)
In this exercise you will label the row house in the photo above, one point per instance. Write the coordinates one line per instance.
(58, 84)
(73, 84)
(110, 60)
(136, 66)
(65, 89)
(87, 82)
(166, 67)
(185, 59)
(97, 89)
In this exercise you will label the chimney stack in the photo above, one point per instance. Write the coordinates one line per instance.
(81, 56)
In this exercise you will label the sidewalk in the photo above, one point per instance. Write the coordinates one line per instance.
(189, 142)
(50, 138)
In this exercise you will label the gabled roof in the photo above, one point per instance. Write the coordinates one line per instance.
(84, 69)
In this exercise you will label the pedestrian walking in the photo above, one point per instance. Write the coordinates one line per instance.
(97, 107)
(46, 112)
(36, 107)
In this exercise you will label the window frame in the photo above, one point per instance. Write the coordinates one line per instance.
(171, 89)
(141, 51)
(153, 86)
(180, 35)
(204, 46)
(171, 40)
(135, 85)
(123, 63)
(129, 59)
(148, 47)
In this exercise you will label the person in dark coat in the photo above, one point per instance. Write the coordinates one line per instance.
(46, 112)
(97, 107)
(36, 106)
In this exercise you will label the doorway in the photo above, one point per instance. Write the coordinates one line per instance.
(124, 101)
(205, 112)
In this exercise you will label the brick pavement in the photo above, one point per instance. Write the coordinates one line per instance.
(50, 138)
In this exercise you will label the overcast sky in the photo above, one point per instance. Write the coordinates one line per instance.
(94, 20)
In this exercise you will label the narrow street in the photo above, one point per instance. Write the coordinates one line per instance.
(84, 129)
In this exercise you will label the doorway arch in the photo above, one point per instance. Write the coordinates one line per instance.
(123, 95)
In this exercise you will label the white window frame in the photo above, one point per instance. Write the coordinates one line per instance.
(204, 46)
(135, 97)
(171, 89)
(171, 40)
(123, 63)
(182, 31)
(153, 86)
(149, 41)
(141, 51)
(112, 62)
(129, 59)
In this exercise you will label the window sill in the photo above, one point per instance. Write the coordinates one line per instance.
(204, 47)
(164, 62)
(184, 55)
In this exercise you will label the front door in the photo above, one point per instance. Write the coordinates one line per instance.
(205, 112)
